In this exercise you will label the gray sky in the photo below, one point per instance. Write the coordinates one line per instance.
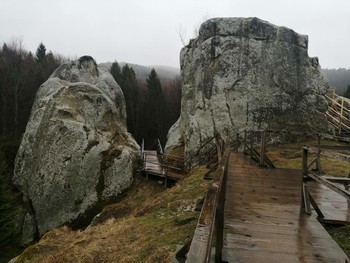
(146, 32)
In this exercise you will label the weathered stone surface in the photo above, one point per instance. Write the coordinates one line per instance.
(76, 152)
(245, 72)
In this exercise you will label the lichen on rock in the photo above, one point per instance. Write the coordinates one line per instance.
(247, 73)
(76, 152)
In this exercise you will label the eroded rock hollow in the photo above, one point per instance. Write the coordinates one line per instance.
(76, 152)
(247, 73)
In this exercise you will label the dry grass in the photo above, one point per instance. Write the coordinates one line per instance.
(152, 223)
(290, 156)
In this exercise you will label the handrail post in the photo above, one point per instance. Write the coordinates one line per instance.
(263, 148)
(305, 153)
(341, 116)
(251, 143)
(245, 141)
(305, 198)
(318, 156)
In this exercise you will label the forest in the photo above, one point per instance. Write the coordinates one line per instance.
(152, 105)
(338, 79)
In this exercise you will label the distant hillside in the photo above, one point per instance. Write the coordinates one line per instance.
(338, 78)
(164, 72)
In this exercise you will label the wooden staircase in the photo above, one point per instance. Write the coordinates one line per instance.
(338, 113)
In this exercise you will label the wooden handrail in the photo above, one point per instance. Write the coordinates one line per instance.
(307, 174)
(200, 155)
(211, 218)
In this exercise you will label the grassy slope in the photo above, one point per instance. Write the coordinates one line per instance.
(144, 226)
(147, 223)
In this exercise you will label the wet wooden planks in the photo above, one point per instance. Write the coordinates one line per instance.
(263, 221)
(152, 164)
(334, 207)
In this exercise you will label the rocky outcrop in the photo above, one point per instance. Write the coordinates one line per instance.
(76, 153)
(247, 73)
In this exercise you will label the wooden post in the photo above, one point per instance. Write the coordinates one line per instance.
(263, 148)
(318, 156)
(245, 141)
(341, 115)
(251, 145)
(305, 200)
(305, 172)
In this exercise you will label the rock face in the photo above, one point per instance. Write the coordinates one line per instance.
(76, 152)
(245, 72)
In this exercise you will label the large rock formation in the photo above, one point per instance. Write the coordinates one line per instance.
(76, 152)
(247, 73)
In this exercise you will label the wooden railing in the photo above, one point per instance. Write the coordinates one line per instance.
(248, 139)
(211, 220)
(308, 173)
(338, 113)
(210, 151)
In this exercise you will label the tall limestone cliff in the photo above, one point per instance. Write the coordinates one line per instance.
(247, 73)
(76, 153)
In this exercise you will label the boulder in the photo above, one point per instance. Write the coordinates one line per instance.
(76, 153)
(247, 73)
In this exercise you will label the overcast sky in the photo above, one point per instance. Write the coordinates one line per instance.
(146, 32)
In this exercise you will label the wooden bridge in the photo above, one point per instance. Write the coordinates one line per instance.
(174, 168)
(257, 214)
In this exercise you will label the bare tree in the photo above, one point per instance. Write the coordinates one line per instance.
(181, 31)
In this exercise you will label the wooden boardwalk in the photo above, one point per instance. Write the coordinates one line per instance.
(335, 208)
(152, 165)
(264, 221)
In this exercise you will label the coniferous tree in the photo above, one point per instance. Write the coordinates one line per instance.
(155, 110)
(41, 52)
(116, 72)
(126, 79)
(130, 90)
(21, 74)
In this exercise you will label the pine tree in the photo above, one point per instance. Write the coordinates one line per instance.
(153, 85)
(155, 110)
(41, 52)
(116, 72)
(130, 90)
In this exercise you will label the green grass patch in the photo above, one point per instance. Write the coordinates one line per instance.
(342, 236)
